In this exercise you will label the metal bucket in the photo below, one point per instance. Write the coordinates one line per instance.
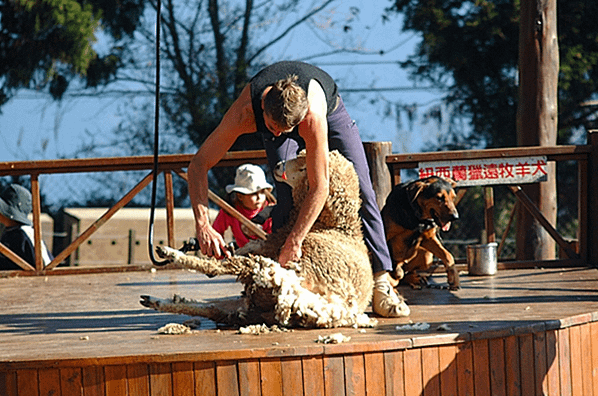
(481, 259)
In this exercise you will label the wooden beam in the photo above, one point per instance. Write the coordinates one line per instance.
(99, 222)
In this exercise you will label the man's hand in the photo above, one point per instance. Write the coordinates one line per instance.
(211, 242)
(290, 252)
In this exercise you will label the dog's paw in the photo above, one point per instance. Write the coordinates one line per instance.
(453, 278)
(415, 280)
(150, 302)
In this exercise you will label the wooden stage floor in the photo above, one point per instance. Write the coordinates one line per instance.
(96, 319)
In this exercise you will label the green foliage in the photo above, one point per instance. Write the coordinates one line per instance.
(46, 43)
(471, 47)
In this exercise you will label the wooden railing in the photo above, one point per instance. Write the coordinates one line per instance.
(167, 165)
(579, 254)
(379, 157)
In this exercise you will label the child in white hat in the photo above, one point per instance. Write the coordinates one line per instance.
(248, 196)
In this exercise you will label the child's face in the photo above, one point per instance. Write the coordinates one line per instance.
(252, 201)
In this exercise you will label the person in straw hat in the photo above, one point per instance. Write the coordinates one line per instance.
(15, 206)
(248, 196)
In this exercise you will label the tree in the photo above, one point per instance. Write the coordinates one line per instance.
(471, 47)
(209, 50)
(45, 44)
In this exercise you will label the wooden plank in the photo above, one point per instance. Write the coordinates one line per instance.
(393, 373)
(227, 382)
(93, 381)
(564, 352)
(481, 371)
(271, 377)
(138, 379)
(160, 379)
(594, 340)
(292, 376)
(355, 374)
(374, 373)
(116, 380)
(249, 377)
(465, 369)
(27, 382)
(447, 359)
(538, 215)
(526, 357)
(49, 382)
(108, 164)
(586, 359)
(513, 367)
(431, 371)
(8, 382)
(313, 375)
(183, 381)
(552, 361)
(496, 349)
(553, 153)
(205, 378)
(334, 376)
(576, 370)
(70, 381)
(540, 363)
(412, 365)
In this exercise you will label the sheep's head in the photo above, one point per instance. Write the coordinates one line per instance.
(343, 203)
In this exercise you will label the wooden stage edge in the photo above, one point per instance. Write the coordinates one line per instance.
(520, 332)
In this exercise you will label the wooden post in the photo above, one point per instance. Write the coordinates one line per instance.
(489, 214)
(592, 203)
(169, 208)
(376, 153)
(537, 118)
(37, 223)
(132, 240)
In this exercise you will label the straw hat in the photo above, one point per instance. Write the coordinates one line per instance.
(248, 180)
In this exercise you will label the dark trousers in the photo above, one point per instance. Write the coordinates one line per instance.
(343, 136)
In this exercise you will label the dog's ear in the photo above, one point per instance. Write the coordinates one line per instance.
(414, 188)
(451, 181)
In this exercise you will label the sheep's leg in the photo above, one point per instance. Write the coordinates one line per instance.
(231, 311)
(209, 266)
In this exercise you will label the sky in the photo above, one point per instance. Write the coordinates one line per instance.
(32, 127)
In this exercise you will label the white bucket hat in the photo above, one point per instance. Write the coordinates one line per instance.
(248, 180)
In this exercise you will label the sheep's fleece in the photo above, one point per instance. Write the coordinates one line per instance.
(331, 286)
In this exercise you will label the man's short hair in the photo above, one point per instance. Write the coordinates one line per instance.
(286, 102)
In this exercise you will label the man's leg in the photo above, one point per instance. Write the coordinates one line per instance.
(344, 137)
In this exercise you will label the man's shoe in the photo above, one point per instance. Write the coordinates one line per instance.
(386, 301)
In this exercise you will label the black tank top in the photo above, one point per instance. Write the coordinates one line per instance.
(277, 71)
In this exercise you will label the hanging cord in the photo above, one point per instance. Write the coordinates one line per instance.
(150, 238)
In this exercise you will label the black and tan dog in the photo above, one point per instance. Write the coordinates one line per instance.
(413, 214)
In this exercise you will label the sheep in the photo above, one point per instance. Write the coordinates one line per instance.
(330, 286)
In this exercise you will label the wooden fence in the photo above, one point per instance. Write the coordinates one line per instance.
(381, 162)
(580, 252)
